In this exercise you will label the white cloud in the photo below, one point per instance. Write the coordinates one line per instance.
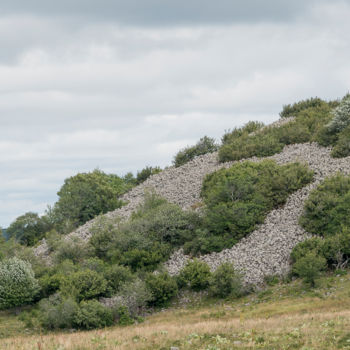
(76, 95)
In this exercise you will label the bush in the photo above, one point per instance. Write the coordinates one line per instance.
(246, 146)
(307, 127)
(122, 316)
(203, 146)
(57, 312)
(313, 244)
(92, 314)
(294, 109)
(238, 198)
(146, 172)
(162, 287)
(195, 275)
(226, 281)
(74, 249)
(309, 268)
(84, 284)
(18, 285)
(342, 146)
(341, 117)
(327, 209)
(134, 295)
(116, 276)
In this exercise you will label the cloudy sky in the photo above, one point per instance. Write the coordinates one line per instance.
(124, 84)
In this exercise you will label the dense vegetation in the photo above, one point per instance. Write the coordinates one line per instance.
(326, 215)
(238, 198)
(315, 121)
(203, 146)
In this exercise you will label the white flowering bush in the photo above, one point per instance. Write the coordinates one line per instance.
(341, 116)
(18, 285)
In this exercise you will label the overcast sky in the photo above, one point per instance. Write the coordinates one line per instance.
(124, 84)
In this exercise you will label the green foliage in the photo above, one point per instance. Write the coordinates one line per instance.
(18, 285)
(226, 281)
(74, 249)
(306, 127)
(342, 146)
(122, 316)
(147, 238)
(92, 314)
(341, 116)
(294, 109)
(135, 296)
(84, 284)
(309, 267)
(203, 146)
(195, 275)
(327, 209)
(146, 172)
(28, 228)
(57, 312)
(303, 248)
(246, 146)
(238, 198)
(116, 276)
(86, 195)
(162, 288)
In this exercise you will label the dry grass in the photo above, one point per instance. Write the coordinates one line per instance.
(284, 318)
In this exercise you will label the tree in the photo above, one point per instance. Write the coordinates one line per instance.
(18, 285)
(28, 228)
(86, 195)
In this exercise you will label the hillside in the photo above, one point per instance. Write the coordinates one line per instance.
(270, 204)
(265, 251)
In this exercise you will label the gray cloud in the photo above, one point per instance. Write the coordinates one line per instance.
(163, 12)
(76, 93)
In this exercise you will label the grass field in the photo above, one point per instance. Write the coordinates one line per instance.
(285, 316)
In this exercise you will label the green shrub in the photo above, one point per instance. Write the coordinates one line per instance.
(342, 146)
(226, 281)
(146, 172)
(50, 284)
(309, 125)
(327, 209)
(238, 198)
(162, 287)
(84, 284)
(203, 146)
(73, 249)
(248, 128)
(341, 117)
(309, 267)
(92, 314)
(18, 285)
(246, 146)
(313, 244)
(122, 316)
(294, 109)
(57, 312)
(116, 276)
(135, 296)
(195, 275)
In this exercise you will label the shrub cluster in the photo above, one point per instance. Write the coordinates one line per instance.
(327, 209)
(294, 109)
(204, 145)
(238, 198)
(326, 214)
(308, 126)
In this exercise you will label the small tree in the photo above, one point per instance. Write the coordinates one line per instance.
(341, 116)
(18, 285)
(226, 281)
(162, 287)
(309, 268)
(196, 275)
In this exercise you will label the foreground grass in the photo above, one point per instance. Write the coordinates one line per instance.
(281, 317)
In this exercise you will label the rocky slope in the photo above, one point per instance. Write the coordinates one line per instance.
(266, 250)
